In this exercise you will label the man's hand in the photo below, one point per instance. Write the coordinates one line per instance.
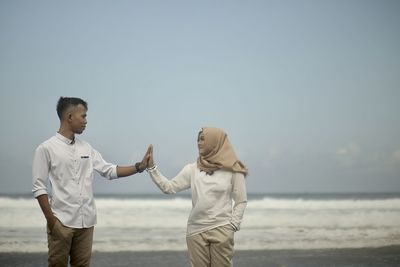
(123, 171)
(144, 163)
(48, 214)
(51, 221)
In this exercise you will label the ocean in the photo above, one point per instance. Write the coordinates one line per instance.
(271, 222)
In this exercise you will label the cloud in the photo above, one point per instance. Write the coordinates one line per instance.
(350, 150)
(352, 154)
(271, 158)
(349, 154)
(273, 153)
(396, 155)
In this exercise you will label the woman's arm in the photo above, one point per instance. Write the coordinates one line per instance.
(178, 183)
(239, 196)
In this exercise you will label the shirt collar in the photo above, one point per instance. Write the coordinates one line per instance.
(65, 139)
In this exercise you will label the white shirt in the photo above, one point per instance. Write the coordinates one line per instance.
(212, 196)
(68, 166)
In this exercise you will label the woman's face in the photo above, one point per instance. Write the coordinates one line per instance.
(201, 144)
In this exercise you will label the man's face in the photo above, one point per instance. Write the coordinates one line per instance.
(78, 119)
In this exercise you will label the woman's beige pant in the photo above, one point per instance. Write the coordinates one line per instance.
(212, 248)
(72, 243)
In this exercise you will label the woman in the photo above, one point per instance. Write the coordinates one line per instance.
(216, 179)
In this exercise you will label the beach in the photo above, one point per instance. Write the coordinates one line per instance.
(278, 230)
(362, 257)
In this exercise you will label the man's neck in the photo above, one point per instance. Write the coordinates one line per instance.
(67, 133)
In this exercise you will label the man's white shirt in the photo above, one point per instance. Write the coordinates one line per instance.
(67, 167)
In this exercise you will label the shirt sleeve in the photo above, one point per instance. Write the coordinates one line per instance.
(104, 168)
(239, 196)
(40, 171)
(178, 183)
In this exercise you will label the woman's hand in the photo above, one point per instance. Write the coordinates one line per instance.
(145, 161)
(150, 162)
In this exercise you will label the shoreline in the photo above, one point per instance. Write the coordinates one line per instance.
(364, 257)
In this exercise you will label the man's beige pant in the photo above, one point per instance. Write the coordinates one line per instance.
(65, 242)
(212, 248)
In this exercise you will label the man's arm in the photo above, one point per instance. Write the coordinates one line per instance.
(48, 213)
(40, 174)
(123, 171)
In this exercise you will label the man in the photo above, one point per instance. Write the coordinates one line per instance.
(67, 163)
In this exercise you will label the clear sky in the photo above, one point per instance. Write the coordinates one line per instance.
(308, 91)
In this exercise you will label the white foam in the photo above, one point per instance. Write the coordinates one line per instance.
(269, 223)
(329, 204)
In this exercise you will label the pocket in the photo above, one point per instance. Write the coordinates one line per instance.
(226, 230)
(230, 227)
(227, 235)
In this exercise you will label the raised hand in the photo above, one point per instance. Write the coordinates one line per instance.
(150, 162)
(146, 157)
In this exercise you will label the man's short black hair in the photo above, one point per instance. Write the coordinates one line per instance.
(65, 102)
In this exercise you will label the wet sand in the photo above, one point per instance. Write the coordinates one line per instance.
(363, 257)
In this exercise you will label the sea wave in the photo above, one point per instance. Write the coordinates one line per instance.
(269, 223)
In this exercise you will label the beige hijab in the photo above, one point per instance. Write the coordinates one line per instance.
(220, 153)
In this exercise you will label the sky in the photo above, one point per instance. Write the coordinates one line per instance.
(307, 91)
